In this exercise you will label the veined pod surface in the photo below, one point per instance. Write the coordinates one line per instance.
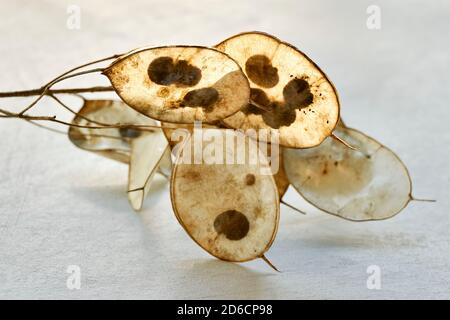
(180, 84)
(370, 183)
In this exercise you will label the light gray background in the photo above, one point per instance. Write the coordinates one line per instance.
(61, 206)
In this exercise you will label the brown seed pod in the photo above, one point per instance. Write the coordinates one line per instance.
(369, 184)
(230, 210)
(180, 84)
(144, 150)
(290, 95)
(174, 138)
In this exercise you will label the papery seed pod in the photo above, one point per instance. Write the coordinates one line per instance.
(290, 95)
(180, 84)
(371, 183)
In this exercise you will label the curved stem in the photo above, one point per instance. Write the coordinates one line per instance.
(264, 258)
(31, 105)
(46, 87)
(11, 115)
(345, 143)
(78, 114)
(422, 200)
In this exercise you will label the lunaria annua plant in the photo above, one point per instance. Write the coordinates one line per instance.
(231, 126)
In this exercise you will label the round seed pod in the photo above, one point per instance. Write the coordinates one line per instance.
(290, 95)
(370, 183)
(230, 210)
(180, 84)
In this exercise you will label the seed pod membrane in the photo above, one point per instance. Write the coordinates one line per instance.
(230, 210)
(147, 154)
(109, 142)
(180, 84)
(290, 95)
(369, 184)
(144, 150)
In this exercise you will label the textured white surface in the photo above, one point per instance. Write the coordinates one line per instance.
(61, 206)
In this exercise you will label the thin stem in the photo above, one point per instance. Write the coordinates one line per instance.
(58, 78)
(31, 105)
(422, 200)
(36, 92)
(259, 106)
(46, 128)
(345, 143)
(292, 207)
(78, 114)
(269, 263)
(8, 114)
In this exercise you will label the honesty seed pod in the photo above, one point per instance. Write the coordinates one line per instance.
(369, 184)
(180, 84)
(230, 210)
(144, 149)
(290, 95)
(250, 91)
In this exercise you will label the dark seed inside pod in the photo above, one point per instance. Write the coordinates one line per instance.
(164, 71)
(233, 224)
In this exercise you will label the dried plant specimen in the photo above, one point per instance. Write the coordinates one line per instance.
(180, 84)
(230, 210)
(290, 95)
(142, 149)
(369, 184)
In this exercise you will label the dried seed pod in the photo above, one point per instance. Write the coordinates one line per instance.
(174, 137)
(280, 177)
(180, 84)
(290, 95)
(111, 142)
(144, 150)
(230, 210)
(369, 184)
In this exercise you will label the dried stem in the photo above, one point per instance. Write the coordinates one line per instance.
(31, 105)
(8, 114)
(36, 92)
(422, 200)
(66, 75)
(269, 263)
(345, 143)
(78, 114)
